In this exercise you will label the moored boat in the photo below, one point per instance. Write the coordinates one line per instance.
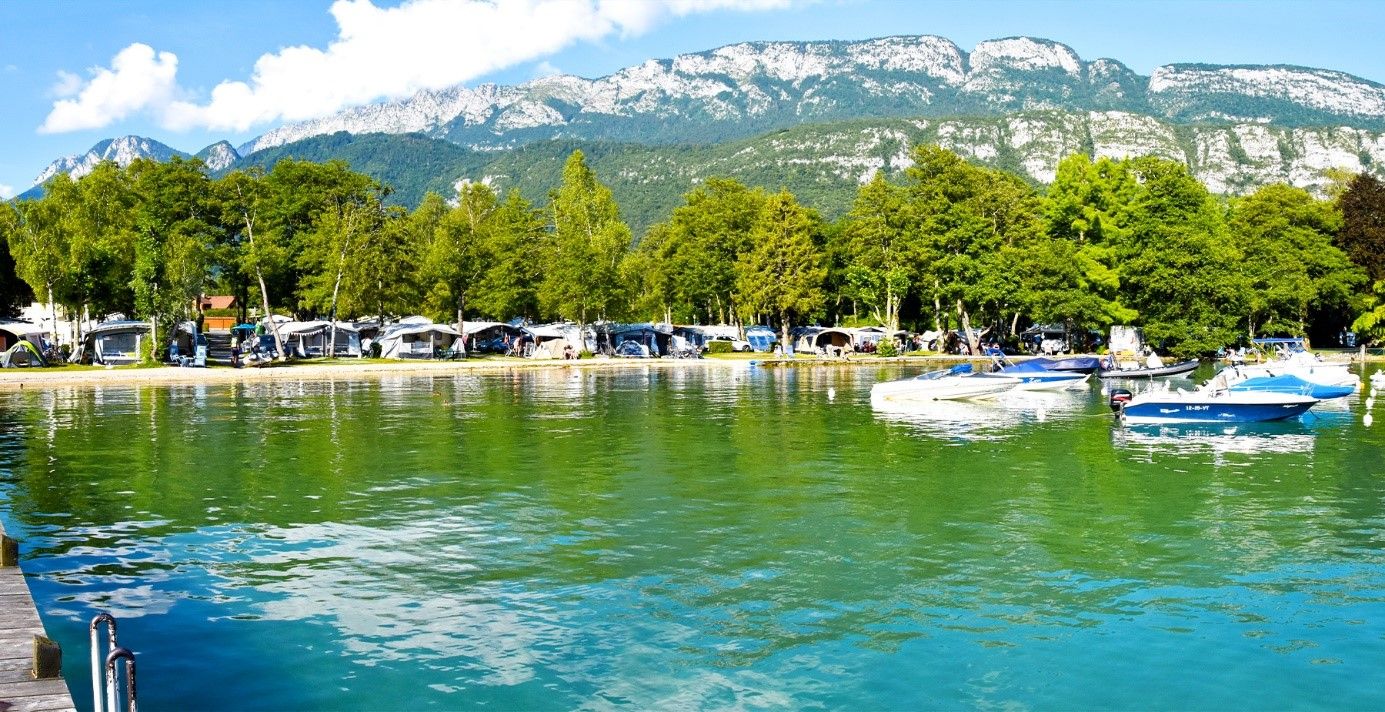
(953, 383)
(1327, 376)
(1208, 406)
(1113, 369)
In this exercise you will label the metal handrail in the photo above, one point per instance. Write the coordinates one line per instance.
(110, 702)
(112, 693)
(96, 657)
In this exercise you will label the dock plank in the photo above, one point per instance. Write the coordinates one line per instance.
(19, 623)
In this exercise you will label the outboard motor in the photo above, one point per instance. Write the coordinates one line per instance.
(1119, 397)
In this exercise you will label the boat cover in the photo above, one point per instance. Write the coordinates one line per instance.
(1292, 384)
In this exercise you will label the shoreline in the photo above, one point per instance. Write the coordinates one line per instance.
(21, 379)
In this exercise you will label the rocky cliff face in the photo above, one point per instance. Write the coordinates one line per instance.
(218, 156)
(740, 90)
(123, 151)
(1019, 103)
(1233, 158)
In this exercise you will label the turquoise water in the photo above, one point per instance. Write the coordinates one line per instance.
(695, 538)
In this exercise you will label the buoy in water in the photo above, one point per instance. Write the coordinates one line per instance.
(1368, 420)
(831, 394)
(1370, 403)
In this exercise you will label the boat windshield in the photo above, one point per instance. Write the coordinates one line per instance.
(958, 370)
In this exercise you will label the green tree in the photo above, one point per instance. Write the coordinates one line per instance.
(582, 261)
(258, 252)
(1074, 277)
(883, 248)
(509, 287)
(1362, 235)
(330, 256)
(40, 240)
(975, 224)
(102, 213)
(783, 273)
(458, 254)
(176, 224)
(1290, 262)
(1370, 325)
(385, 276)
(649, 268)
(700, 246)
(1182, 271)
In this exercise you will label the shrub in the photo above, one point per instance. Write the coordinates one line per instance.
(886, 348)
(719, 347)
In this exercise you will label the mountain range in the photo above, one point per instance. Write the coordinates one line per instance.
(831, 113)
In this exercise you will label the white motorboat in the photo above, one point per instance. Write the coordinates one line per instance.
(953, 383)
(1304, 365)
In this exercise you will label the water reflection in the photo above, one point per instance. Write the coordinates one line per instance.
(986, 419)
(721, 537)
(1256, 439)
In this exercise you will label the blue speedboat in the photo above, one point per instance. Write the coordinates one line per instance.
(1208, 406)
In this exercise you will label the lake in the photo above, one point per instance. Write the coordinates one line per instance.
(695, 537)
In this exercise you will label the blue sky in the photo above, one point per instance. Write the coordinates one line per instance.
(55, 51)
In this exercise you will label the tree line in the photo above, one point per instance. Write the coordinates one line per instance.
(946, 245)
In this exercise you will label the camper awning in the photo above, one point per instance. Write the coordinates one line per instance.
(399, 330)
(294, 328)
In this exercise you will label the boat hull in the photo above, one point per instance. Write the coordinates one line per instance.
(1226, 408)
(951, 388)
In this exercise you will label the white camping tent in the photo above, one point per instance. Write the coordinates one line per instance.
(305, 339)
(115, 343)
(415, 340)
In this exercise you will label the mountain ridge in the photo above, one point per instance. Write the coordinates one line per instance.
(1239, 126)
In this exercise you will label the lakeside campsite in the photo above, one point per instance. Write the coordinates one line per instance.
(684, 355)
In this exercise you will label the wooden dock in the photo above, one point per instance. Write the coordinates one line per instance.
(19, 623)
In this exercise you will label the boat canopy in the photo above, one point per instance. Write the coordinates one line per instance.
(1293, 343)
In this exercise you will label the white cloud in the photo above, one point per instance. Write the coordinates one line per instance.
(545, 69)
(139, 78)
(6, 191)
(379, 53)
(68, 84)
